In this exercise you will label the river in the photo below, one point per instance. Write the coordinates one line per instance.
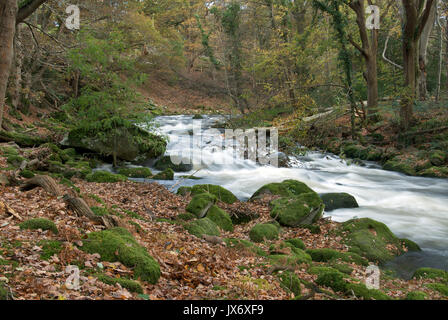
(412, 207)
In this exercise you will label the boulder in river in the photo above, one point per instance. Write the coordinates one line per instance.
(130, 144)
(166, 163)
(304, 209)
(335, 201)
(221, 193)
(374, 240)
(287, 188)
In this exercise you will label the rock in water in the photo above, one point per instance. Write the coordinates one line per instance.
(335, 201)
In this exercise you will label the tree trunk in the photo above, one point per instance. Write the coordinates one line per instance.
(8, 12)
(410, 56)
(45, 182)
(15, 87)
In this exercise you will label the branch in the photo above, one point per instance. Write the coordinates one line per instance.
(384, 54)
(27, 9)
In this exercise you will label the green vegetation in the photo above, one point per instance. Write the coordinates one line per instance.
(201, 204)
(262, 232)
(287, 188)
(416, 295)
(131, 285)
(290, 282)
(118, 244)
(306, 208)
(221, 193)
(105, 177)
(202, 226)
(326, 255)
(298, 243)
(221, 218)
(439, 287)
(135, 172)
(49, 248)
(39, 223)
(431, 273)
(166, 163)
(167, 174)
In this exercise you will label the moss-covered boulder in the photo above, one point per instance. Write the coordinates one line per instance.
(434, 172)
(202, 226)
(361, 291)
(287, 188)
(373, 240)
(262, 232)
(21, 139)
(439, 287)
(166, 163)
(222, 194)
(416, 295)
(130, 144)
(332, 279)
(105, 177)
(290, 282)
(183, 191)
(135, 172)
(298, 243)
(118, 244)
(132, 286)
(295, 258)
(39, 223)
(201, 204)
(221, 218)
(326, 255)
(399, 166)
(333, 201)
(244, 244)
(437, 157)
(306, 208)
(431, 273)
(186, 216)
(167, 174)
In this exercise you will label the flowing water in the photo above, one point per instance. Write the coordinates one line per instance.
(412, 207)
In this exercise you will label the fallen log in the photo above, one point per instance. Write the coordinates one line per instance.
(45, 182)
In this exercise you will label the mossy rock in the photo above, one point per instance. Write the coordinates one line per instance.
(435, 172)
(332, 279)
(290, 282)
(335, 201)
(244, 244)
(135, 172)
(431, 273)
(186, 216)
(298, 243)
(167, 174)
(361, 291)
(183, 191)
(132, 286)
(287, 188)
(39, 223)
(9, 151)
(296, 258)
(341, 267)
(49, 248)
(105, 177)
(222, 194)
(221, 218)
(201, 204)
(118, 244)
(129, 144)
(306, 208)
(437, 158)
(399, 166)
(416, 295)
(198, 117)
(326, 255)
(356, 151)
(202, 226)
(439, 287)
(371, 239)
(166, 163)
(262, 232)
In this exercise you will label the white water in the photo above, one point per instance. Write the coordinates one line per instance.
(412, 207)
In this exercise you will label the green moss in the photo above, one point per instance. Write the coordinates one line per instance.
(118, 244)
(356, 151)
(15, 160)
(262, 232)
(437, 157)
(290, 282)
(21, 139)
(439, 287)
(167, 174)
(221, 193)
(332, 279)
(370, 239)
(296, 243)
(361, 291)
(27, 174)
(416, 295)
(166, 163)
(430, 273)
(9, 151)
(183, 191)
(399, 166)
(133, 214)
(287, 188)
(296, 258)
(4, 294)
(411, 245)
(335, 201)
(202, 226)
(100, 211)
(306, 208)
(435, 172)
(135, 172)
(132, 286)
(221, 218)
(314, 229)
(319, 270)
(341, 267)
(49, 248)
(244, 244)
(186, 216)
(200, 204)
(96, 198)
(325, 255)
(105, 177)
(39, 223)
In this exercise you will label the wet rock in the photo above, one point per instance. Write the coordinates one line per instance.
(335, 201)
